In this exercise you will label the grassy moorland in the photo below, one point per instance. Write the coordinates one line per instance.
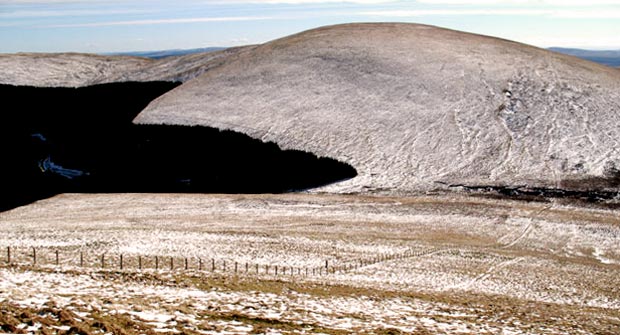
(422, 265)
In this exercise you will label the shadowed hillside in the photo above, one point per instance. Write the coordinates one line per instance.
(63, 140)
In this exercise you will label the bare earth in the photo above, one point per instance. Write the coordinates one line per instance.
(421, 265)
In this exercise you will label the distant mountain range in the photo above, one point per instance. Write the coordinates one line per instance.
(165, 53)
(605, 57)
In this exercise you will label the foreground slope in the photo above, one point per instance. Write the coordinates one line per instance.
(397, 265)
(415, 107)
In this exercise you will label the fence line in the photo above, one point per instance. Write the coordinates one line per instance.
(124, 262)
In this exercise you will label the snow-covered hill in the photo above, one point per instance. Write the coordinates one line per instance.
(411, 107)
(76, 70)
(416, 107)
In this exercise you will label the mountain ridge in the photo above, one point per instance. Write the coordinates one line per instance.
(605, 57)
(79, 69)
(159, 54)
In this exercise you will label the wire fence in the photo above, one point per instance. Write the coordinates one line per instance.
(33, 256)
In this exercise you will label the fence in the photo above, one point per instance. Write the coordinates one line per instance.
(44, 257)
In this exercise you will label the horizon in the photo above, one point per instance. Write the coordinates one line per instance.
(220, 47)
(116, 26)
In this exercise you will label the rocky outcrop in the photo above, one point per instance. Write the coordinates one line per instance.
(415, 108)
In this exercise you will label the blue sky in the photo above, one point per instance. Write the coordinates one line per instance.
(140, 25)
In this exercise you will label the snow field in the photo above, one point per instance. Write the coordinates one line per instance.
(165, 308)
(452, 248)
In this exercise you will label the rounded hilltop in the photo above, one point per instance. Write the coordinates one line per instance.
(415, 108)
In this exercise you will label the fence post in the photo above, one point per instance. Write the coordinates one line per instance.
(326, 264)
(171, 263)
(212, 265)
(156, 262)
(256, 268)
(121, 261)
(235, 267)
(199, 264)
(81, 259)
(246, 267)
(8, 255)
(186, 265)
(139, 262)
(57, 262)
(224, 265)
(276, 270)
(34, 256)
(103, 261)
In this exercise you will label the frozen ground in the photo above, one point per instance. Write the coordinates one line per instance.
(427, 265)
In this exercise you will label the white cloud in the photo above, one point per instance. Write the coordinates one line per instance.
(57, 13)
(301, 1)
(589, 14)
(40, 2)
(554, 3)
(202, 1)
(239, 41)
(450, 12)
(552, 13)
(160, 21)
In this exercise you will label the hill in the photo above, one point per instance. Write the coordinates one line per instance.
(77, 70)
(68, 140)
(416, 108)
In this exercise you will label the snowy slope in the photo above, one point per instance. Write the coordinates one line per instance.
(75, 70)
(413, 106)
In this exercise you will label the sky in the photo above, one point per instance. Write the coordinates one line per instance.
(101, 26)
